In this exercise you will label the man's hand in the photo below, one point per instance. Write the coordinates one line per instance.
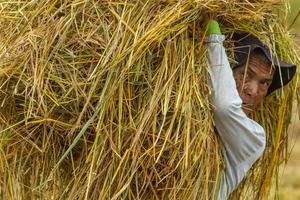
(213, 28)
(210, 22)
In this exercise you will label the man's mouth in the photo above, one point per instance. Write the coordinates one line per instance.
(247, 102)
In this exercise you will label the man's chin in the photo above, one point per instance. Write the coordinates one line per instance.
(247, 108)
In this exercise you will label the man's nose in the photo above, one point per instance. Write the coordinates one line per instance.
(251, 89)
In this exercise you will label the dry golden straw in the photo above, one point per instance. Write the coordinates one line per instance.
(109, 100)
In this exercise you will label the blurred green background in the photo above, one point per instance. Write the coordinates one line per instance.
(290, 174)
(294, 10)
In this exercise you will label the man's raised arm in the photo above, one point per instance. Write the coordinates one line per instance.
(243, 139)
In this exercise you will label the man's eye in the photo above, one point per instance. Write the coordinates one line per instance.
(265, 83)
(249, 74)
(245, 74)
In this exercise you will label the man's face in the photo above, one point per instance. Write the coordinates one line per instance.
(253, 81)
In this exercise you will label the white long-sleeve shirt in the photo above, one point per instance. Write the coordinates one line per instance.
(243, 139)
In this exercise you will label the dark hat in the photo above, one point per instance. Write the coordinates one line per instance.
(245, 43)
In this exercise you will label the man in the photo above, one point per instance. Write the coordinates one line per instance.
(235, 94)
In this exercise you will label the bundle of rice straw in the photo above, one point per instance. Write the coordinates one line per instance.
(107, 99)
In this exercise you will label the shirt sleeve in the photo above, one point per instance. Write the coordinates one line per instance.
(243, 139)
